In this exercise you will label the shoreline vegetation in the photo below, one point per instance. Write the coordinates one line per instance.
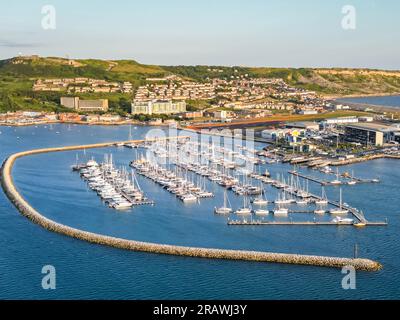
(18, 76)
(29, 212)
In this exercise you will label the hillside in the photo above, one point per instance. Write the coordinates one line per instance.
(18, 74)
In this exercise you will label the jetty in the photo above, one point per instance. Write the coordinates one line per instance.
(297, 223)
(329, 183)
(358, 215)
(28, 211)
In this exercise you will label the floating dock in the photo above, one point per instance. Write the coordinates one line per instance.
(328, 183)
(359, 216)
(299, 223)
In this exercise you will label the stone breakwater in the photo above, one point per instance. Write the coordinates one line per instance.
(28, 211)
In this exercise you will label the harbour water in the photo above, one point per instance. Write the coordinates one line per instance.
(89, 271)
(389, 101)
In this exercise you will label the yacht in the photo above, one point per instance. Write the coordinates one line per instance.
(340, 210)
(121, 205)
(324, 200)
(320, 211)
(336, 181)
(245, 210)
(302, 202)
(326, 170)
(261, 200)
(261, 212)
(340, 220)
(281, 212)
(282, 199)
(224, 209)
(189, 198)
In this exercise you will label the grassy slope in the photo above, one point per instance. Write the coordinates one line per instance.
(16, 79)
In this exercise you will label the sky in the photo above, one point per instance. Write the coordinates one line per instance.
(277, 33)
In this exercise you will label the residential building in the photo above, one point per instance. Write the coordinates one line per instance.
(70, 102)
(158, 107)
(93, 105)
(193, 114)
(85, 105)
(222, 114)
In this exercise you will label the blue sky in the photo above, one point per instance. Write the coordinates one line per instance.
(297, 33)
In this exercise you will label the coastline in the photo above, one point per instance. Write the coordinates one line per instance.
(29, 212)
(368, 95)
(83, 123)
(339, 99)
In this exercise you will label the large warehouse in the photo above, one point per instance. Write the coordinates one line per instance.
(374, 134)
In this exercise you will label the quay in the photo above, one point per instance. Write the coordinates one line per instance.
(29, 212)
(309, 178)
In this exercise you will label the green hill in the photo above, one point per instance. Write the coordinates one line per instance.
(17, 76)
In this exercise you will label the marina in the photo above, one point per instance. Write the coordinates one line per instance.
(196, 224)
(182, 169)
(176, 182)
(153, 152)
(27, 210)
(117, 188)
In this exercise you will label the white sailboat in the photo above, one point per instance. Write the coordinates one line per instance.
(189, 198)
(225, 209)
(319, 210)
(339, 210)
(282, 199)
(336, 181)
(245, 210)
(281, 212)
(324, 199)
(261, 212)
(353, 181)
(261, 200)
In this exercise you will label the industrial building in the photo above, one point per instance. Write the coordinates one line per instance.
(340, 121)
(373, 134)
(305, 125)
(289, 135)
(158, 107)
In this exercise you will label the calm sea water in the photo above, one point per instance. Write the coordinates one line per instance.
(390, 101)
(87, 271)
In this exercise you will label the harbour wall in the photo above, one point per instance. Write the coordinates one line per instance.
(28, 211)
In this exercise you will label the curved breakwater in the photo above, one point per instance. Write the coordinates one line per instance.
(28, 211)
